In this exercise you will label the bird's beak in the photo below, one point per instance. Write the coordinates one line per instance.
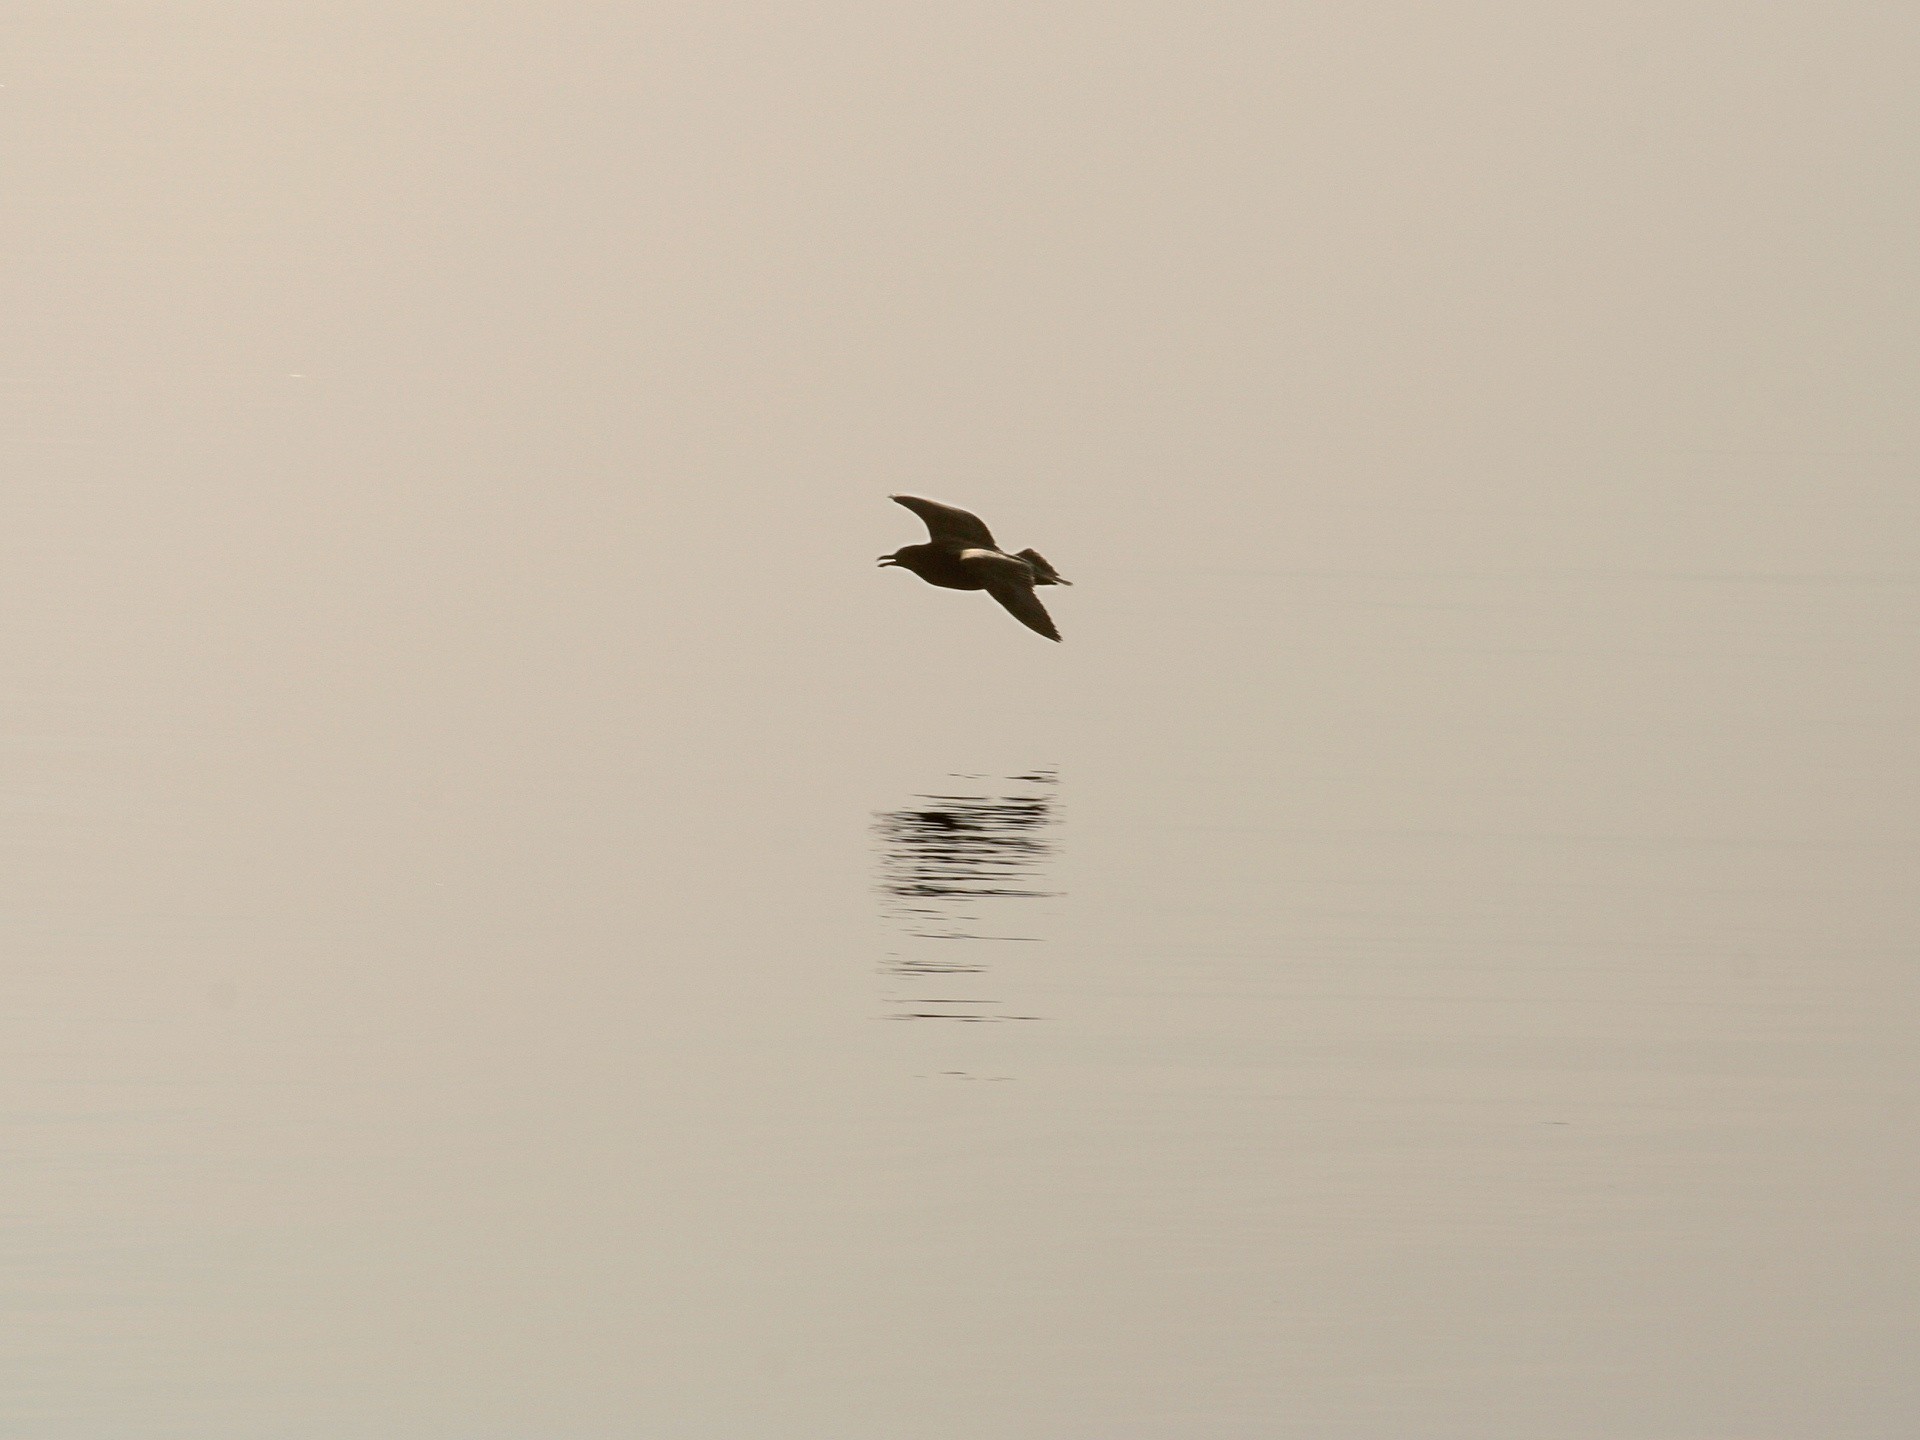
(888, 560)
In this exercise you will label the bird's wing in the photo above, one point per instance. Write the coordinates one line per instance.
(1010, 581)
(947, 525)
(1025, 607)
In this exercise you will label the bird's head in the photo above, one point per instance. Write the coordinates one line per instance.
(913, 558)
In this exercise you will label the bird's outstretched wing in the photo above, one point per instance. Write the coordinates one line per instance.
(1010, 581)
(946, 525)
(1025, 607)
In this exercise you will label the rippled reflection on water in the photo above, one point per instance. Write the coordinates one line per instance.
(955, 872)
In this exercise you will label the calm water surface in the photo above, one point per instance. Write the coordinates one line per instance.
(514, 928)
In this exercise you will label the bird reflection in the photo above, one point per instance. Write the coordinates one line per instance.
(950, 866)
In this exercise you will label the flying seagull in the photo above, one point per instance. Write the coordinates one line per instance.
(962, 556)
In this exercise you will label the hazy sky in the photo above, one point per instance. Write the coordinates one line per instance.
(369, 345)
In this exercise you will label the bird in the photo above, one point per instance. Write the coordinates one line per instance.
(961, 555)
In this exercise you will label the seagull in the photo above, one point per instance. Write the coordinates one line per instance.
(962, 556)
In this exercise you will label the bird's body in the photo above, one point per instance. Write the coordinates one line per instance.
(962, 556)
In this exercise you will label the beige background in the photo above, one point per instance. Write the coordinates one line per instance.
(447, 688)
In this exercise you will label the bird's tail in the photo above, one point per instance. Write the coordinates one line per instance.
(1043, 573)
